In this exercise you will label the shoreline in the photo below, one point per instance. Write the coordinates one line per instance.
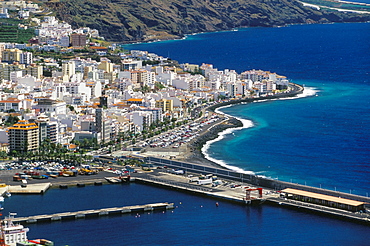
(197, 155)
(185, 36)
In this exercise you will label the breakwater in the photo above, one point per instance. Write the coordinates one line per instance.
(249, 178)
(233, 194)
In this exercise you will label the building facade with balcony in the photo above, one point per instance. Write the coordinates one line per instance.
(23, 136)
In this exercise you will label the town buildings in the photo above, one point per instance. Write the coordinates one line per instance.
(83, 98)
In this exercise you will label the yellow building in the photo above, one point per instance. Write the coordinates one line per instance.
(106, 66)
(24, 136)
(164, 104)
(35, 71)
(11, 55)
(2, 48)
(110, 76)
(139, 77)
(190, 67)
(87, 69)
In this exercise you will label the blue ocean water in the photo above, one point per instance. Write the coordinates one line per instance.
(195, 220)
(318, 141)
(321, 140)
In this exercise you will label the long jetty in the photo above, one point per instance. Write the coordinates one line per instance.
(94, 213)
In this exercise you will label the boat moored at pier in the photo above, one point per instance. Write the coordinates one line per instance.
(16, 234)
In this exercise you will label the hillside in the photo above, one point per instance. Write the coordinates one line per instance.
(133, 20)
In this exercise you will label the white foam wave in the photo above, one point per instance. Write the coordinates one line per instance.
(307, 92)
(221, 135)
(218, 111)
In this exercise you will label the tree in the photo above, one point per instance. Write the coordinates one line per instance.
(85, 143)
(70, 107)
(3, 154)
(11, 120)
(145, 89)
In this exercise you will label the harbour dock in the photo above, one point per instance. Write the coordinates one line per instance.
(231, 186)
(238, 195)
(220, 193)
(95, 213)
(29, 189)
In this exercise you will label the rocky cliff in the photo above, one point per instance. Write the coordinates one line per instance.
(144, 20)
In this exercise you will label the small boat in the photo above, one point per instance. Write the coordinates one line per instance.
(7, 194)
(113, 180)
(2, 198)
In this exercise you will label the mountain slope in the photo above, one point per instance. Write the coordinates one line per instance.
(133, 20)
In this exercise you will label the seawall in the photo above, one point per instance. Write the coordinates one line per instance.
(249, 178)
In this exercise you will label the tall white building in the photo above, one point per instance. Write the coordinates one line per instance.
(142, 119)
(26, 58)
(68, 69)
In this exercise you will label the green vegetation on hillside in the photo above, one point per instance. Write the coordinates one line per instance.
(145, 20)
(10, 33)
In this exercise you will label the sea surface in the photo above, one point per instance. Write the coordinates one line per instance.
(319, 139)
(195, 220)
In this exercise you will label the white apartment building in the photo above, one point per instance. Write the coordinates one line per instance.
(129, 64)
(68, 69)
(165, 77)
(9, 104)
(50, 107)
(4, 13)
(142, 119)
(77, 88)
(64, 41)
(26, 58)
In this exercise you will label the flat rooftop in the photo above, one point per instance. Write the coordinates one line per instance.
(323, 197)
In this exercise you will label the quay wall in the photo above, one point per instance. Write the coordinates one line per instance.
(249, 178)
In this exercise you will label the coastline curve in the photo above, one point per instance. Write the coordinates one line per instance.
(296, 91)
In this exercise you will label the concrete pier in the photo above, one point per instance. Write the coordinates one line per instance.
(238, 195)
(94, 213)
(180, 183)
(30, 189)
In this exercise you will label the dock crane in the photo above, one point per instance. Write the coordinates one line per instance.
(248, 192)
